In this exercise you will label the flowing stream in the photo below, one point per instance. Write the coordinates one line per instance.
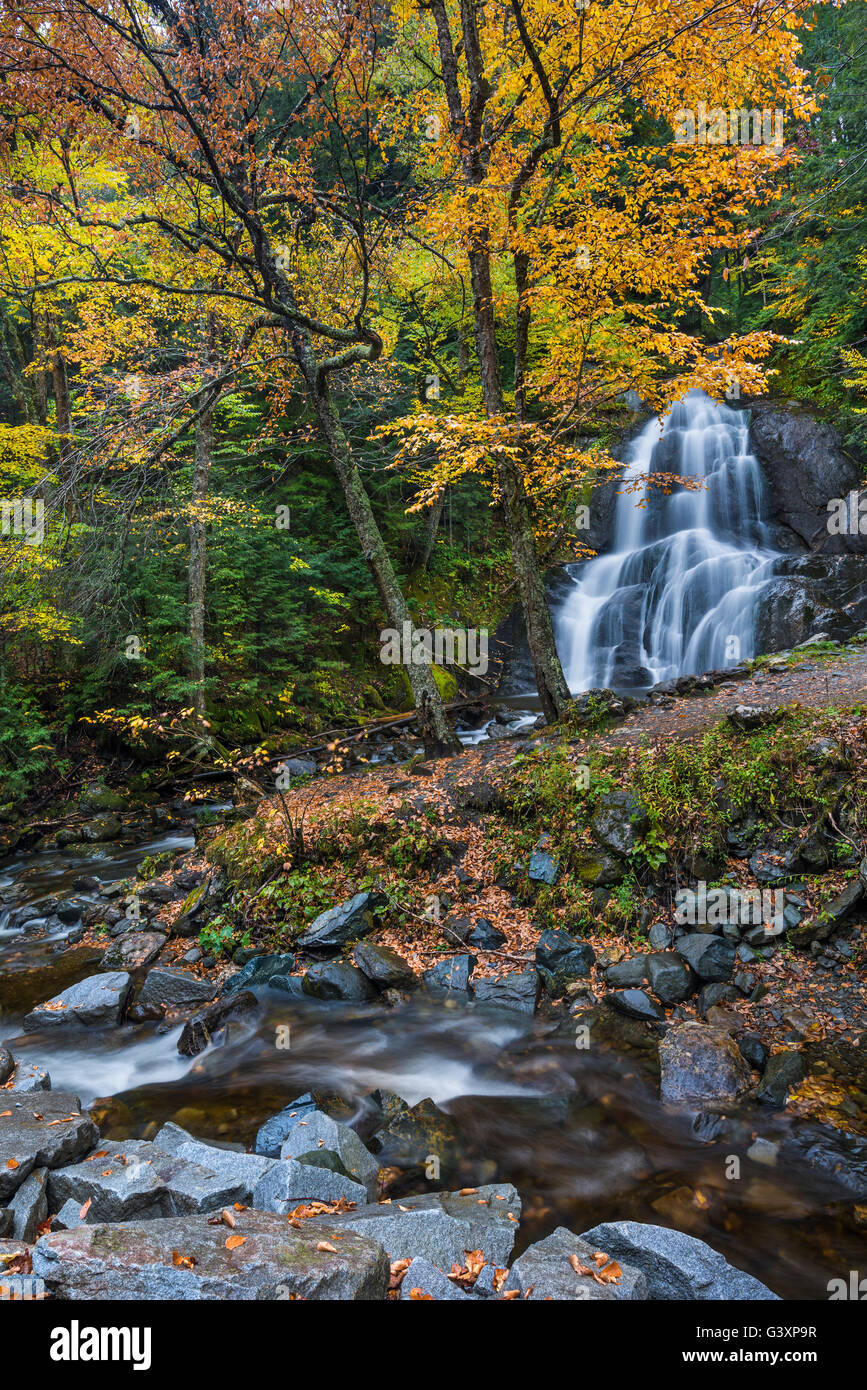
(581, 1133)
(677, 593)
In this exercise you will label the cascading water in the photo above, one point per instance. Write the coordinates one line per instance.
(677, 594)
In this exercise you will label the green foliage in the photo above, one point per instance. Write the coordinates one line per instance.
(26, 753)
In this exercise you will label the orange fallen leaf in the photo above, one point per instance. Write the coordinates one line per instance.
(610, 1275)
(86, 1208)
(12, 1163)
(510, 1294)
(182, 1261)
(324, 1245)
(578, 1267)
(232, 1242)
(4, 1113)
(419, 1296)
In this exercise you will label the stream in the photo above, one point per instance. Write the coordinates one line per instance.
(581, 1134)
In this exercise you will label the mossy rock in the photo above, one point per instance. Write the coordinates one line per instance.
(98, 797)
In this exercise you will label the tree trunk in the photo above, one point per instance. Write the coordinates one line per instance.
(438, 739)
(201, 477)
(433, 522)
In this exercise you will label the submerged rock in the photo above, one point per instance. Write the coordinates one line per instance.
(203, 1027)
(701, 1063)
(560, 959)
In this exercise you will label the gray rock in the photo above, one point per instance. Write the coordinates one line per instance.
(754, 716)
(634, 1003)
(627, 974)
(210, 1022)
(669, 978)
(711, 957)
(485, 936)
(783, 1072)
(543, 868)
(450, 976)
(29, 1206)
(138, 1181)
(518, 991)
(660, 936)
(337, 979)
(676, 1266)
(619, 820)
(229, 1164)
(384, 967)
(132, 950)
(32, 1076)
(101, 828)
(70, 1216)
(174, 988)
(441, 1226)
(348, 921)
(544, 1271)
(7, 1065)
(276, 1261)
(97, 1001)
(288, 1183)
(316, 1130)
(41, 1133)
(700, 1063)
(423, 1278)
(768, 867)
(560, 959)
(276, 1129)
(259, 972)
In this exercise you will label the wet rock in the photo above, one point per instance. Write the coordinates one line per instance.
(191, 916)
(384, 967)
(754, 716)
(784, 1071)
(98, 1001)
(346, 922)
(543, 867)
(450, 976)
(51, 1132)
(519, 991)
(440, 1226)
(101, 828)
(669, 978)
(753, 1050)
(544, 1271)
(627, 974)
(210, 1022)
(411, 1136)
(619, 821)
(660, 936)
(132, 950)
(276, 1261)
(596, 868)
(174, 988)
(7, 1065)
(137, 1180)
(31, 1076)
(424, 1280)
(70, 1216)
(768, 867)
(711, 957)
(259, 972)
(338, 979)
(486, 937)
(839, 1159)
(634, 1003)
(229, 1164)
(276, 1129)
(700, 1063)
(158, 892)
(560, 959)
(316, 1129)
(29, 1206)
(676, 1266)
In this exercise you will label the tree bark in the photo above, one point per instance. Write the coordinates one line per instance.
(204, 443)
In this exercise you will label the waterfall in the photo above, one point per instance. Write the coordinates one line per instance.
(676, 595)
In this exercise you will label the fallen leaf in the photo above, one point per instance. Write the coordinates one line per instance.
(578, 1267)
(86, 1208)
(324, 1245)
(12, 1163)
(232, 1242)
(182, 1261)
(419, 1296)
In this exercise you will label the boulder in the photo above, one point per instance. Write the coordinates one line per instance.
(276, 1129)
(676, 1266)
(346, 922)
(7, 1065)
(634, 1003)
(258, 972)
(29, 1206)
(669, 978)
(101, 828)
(783, 1072)
(543, 867)
(486, 937)
(411, 1135)
(560, 959)
(132, 950)
(711, 957)
(210, 1022)
(318, 1130)
(185, 1258)
(98, 1001)
(518, 990)
(450, 976)
(424, 1280)
(384, 967)
(545, 1271)
(174, 988)
(337, 979)
(627, 974)
(441, 1226)
(804, 465)
(288, 1184)
(230, 1164)
(619, 821)
(597, 867)
(700, 1063)
(137, 1180)
(44, 1134)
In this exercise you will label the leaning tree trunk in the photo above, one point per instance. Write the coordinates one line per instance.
(550, 681)
(201, 477)
(438, 739)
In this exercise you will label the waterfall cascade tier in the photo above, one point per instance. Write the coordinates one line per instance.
(677, 593)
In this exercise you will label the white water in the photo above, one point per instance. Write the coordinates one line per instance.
(677, 594)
